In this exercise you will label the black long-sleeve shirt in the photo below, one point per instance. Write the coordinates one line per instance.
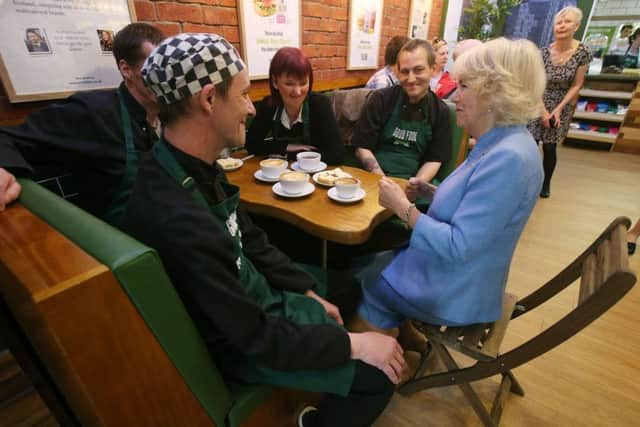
(82, 135)
(198, 253)
(323, 130)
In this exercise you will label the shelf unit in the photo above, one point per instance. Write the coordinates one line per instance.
(610, 88)
(589, 135)
(603, 117)
(605, 94)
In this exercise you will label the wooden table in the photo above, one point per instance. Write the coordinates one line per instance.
(316, 214)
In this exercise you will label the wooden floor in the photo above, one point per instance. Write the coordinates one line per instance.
(591, 380)
(594, 378)
(20, 405)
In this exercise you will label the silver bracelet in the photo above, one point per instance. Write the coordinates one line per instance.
(407, 213)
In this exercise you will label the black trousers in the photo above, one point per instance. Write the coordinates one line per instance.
(370, 393)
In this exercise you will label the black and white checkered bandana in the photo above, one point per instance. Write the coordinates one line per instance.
(182, 65)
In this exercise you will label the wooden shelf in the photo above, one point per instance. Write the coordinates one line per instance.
(605, 94)
(588, 135)
(605, 117)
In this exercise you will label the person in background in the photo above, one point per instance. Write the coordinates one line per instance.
(463, 46)
(566, 61)
(256, 311)
(35, 42)
(386, 76)
(294, 118)
(620, 44)
(106, 40)
(441, 83)
(454, 270)
(404, 130)
(96, 135)
(631, 54)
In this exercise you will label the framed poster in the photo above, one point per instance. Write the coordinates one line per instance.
(52, 49)
(265, 27)
(365, 23)
(419, 19)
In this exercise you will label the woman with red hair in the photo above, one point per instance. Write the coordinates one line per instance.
(293, 118)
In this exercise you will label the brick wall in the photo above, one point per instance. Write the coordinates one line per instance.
(324, 29)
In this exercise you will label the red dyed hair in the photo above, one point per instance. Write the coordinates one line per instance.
(291, 61)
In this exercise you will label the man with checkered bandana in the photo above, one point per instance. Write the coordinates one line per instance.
(262, 318)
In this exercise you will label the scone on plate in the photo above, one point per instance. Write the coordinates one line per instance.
(228, 163)
(329, 177)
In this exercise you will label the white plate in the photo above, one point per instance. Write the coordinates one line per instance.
(317, 181)
(236, 167)
(258, 175)
(333, 195)
(296, 167)
(308, 189)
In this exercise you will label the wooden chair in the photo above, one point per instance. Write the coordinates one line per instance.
(605, 278)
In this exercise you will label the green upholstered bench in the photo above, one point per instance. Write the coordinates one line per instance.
(459, 143)
(139, 271)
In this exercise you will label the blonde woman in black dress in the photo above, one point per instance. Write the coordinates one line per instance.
(566, 61)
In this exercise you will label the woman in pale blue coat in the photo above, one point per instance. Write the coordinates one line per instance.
(455, 269)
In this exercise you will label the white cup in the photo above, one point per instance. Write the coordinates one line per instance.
(272, 168)
(347, 187)
(309, 160)
(293, 182)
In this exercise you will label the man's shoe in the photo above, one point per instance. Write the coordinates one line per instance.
(545, 193)
(307, 412)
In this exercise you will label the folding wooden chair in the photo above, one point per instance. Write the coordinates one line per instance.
(605, 278)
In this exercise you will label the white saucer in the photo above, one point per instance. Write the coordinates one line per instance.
(236, 167)
(333, 195)
(308, 189)
(258, 175)
(296, 167)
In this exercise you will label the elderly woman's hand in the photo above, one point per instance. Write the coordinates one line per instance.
(392, 196)
(418, 188)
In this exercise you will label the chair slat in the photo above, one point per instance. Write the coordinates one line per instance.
(588, 280)
(619, 259)
(496, 334)
(603, 261)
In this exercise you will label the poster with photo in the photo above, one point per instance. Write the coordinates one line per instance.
(365, 23)
(419, 19)
(52, 49)
(266, 26)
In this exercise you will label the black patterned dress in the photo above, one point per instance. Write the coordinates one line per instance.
(559, 80)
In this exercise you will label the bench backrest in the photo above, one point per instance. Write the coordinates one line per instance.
(139, 271)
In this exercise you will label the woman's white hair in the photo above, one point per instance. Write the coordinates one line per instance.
(577, 13)
(508, 76)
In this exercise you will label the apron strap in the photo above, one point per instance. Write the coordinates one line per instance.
(168, 162)
(119, 201)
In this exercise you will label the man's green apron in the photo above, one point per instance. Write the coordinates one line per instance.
(630, 60)
(402, 144)
(292, 306)
(118, 203)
